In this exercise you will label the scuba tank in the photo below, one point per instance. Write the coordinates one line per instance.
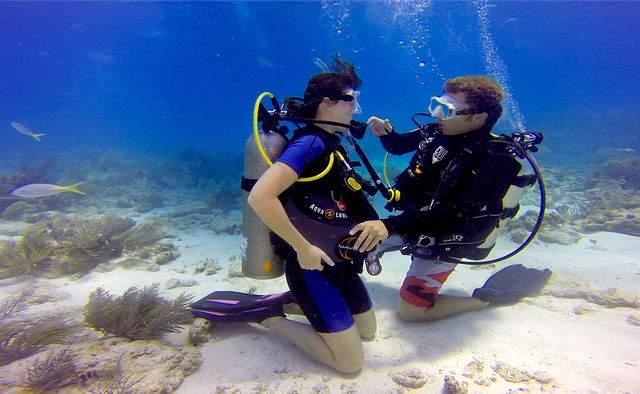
(259, 261)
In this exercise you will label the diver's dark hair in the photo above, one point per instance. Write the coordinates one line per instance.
(327, 84)
(483, 94)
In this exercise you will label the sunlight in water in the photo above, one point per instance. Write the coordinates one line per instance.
(410, 16)
(496, 67)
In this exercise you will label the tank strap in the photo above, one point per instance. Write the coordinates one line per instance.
(509, 213)
(525, 180)
(247, 184)
(427, 253)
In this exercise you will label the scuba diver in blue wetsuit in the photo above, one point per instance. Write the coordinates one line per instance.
(324, 283)
(454, 194)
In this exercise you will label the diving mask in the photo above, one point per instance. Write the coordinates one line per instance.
(446, 107)
(443, 107)
(352, 97)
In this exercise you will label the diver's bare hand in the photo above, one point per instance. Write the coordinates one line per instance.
(311, 258)
(372, 232)
(379, 127)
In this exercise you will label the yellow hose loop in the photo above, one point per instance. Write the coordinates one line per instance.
(384, 169)
(265, 157)
(256, 132)
(394, 195)
(320, 175)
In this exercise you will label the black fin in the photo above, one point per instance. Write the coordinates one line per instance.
(511, 284)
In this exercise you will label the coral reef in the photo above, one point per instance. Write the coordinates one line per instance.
(22, 338)
(147, 233)
(606, 198)
(28, 211)
(10, 306)
(58, 369)
(515, 375)
(452, 386)
(207, 266)
(571, 286)
(139, 367)
(199, 214)
(623, 168)
(173, 283)
(612, 192)
(554, 229)
(68, 246)
(86, 243)
(137, 314)
(204, 168)
(200, 332)
(412, 378)
(104, 366)
(28, 256)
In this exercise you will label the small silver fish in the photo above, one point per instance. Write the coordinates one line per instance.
(34, 190)
(264, 63)
(24, 130)
(508, 21)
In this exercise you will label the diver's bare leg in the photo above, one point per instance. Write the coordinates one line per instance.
(339, 350)
(444, 306)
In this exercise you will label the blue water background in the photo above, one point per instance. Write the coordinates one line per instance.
(152, 78)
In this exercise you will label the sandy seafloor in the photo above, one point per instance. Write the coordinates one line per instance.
(569, 339)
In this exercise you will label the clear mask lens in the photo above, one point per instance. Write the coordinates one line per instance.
(440, 108)
(356, 104)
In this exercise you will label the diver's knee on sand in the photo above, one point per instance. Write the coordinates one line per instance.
(346, 348)
(410, 312)
(366, 324)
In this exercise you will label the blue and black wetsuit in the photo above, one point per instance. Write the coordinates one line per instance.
(329, 297)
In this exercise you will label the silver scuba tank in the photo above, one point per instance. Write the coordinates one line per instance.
(259, 261)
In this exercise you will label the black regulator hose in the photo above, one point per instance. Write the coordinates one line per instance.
(386, 193)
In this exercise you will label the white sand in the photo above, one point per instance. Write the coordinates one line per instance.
(551, 344)
(594, 351)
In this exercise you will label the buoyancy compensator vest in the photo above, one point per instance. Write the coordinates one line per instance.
(481, 211)
(310, 216)
(325, 210)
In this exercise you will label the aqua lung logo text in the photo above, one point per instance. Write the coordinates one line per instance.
(328, 213)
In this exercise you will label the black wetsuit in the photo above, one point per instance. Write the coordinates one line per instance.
(323, 210)
(468, 201)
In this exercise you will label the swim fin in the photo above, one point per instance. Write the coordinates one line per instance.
(232, 306)
(511, 284)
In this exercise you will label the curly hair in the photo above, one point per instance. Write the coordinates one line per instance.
(484, 94)
(328, 84)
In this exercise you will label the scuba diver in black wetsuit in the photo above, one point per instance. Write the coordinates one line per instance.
(306, 199)
(452, 197)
